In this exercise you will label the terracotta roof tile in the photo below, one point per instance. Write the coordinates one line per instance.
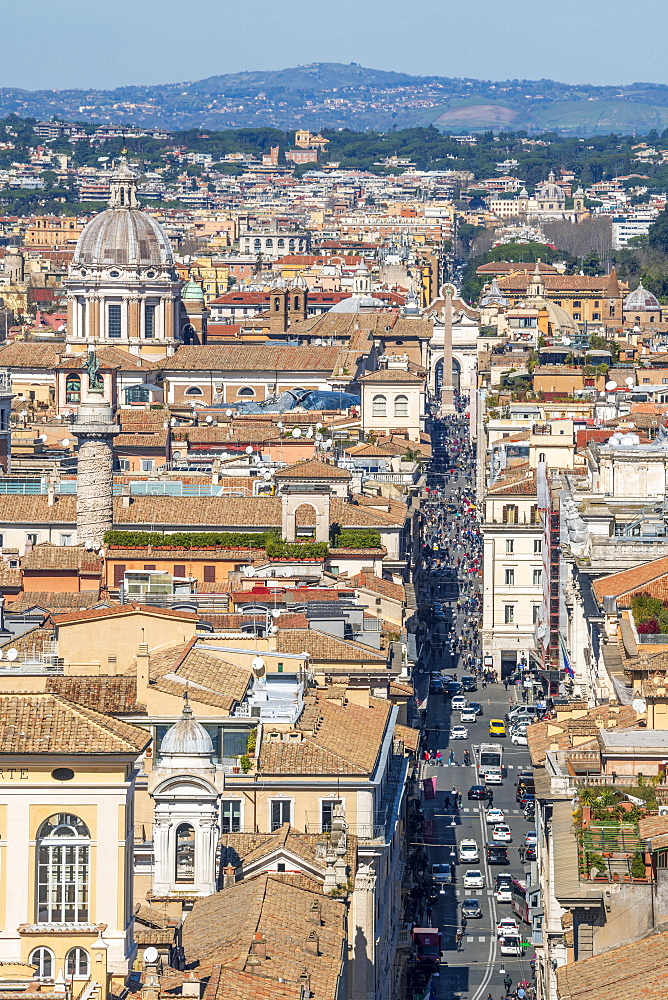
(248, 358)
(313, 469)
(638, 969)
(55, 600)
(324, 648)
(111, 695)
(621, 585)
(48, 724)
(61, 557)
(94, 614)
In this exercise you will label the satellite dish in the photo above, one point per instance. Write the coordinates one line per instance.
(12, 654)
(296, 433)
(66, 442)
(151, 955)
(248, 571)
(638, 705)
(257, 663)
(209, 419)
(630, 381)
(228, 413)
(566, 341)
(276, 613)
(267, 475)
(42, 437)
(249, 449)
(309, 433)
(611, 385)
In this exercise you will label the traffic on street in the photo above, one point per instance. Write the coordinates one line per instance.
(475, 842)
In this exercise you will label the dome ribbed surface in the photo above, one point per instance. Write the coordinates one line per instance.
(186, 737)
(641, 299)
(123, 236)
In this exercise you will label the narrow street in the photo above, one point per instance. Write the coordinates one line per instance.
(471, 970)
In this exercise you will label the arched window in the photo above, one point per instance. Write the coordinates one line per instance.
(269, 243)
(379, 406)
(295, 304)
(277, 304)
(401, 406)
(291, 245)
(280, 243)
(42, 961)
(541, 456)
(63, 868)
(257, 244)
(77, 962)
(185, 853)
(73, 389)
(246, 391)
(193, 390)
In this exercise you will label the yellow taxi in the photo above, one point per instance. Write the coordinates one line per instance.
(497, 727)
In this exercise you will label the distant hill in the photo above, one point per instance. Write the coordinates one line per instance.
(333, 95)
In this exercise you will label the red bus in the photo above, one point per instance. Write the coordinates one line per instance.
(518, 900)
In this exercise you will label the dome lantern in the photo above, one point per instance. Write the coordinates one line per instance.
(123, 187)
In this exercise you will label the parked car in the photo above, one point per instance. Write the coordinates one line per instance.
(530, 853)
(519, 739)
(531, 837)
(477, 792)
(474, 879)
(471, 909)
(468, 851)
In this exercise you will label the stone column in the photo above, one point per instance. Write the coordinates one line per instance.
(205, 856)
(162, 879)
(94, 317)
(168, 332)
(447, 388)
(134, 328)
(95, 430)
(363, 943)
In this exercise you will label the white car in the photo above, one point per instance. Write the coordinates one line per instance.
(510, 945)
(495, 816)
(468, 715)
(468, 852)
(458, 703)
(502, 834)
(493, 776)
(507, 927)
(459, 733)
(474, 879)
(530, 838)
(519, 740)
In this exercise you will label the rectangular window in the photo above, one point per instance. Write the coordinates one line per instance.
(179, 571)
(149, 322)
(509, 578)
(280, 813)
(535, 613)
(147, 465)
(510, 546)
(31, 538)
(538, 545)
(65, 539)
(538, 578)
(326, 814)
(2, 541)
(209, 574)
(509, 613)
(124, 464)
(230, 815)
(150, 566)
(114, 321)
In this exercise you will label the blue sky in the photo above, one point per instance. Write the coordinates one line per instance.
(85, 43)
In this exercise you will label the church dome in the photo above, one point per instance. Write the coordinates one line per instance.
(186, 737)
(123, 234)
(641, 300)
(192, 291)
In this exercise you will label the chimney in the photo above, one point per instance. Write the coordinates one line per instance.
(191, 986)
(126, 498)
(304, 986)
(143, 665)
(111, 664)
(230, 876)
(313, 944)
(314, 913)
(259, 945)
(51, 495)
(253, 964)
(358, 696)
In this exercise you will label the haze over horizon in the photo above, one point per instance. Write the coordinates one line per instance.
(78, 46)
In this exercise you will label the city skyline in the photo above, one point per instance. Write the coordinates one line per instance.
(575, 46)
